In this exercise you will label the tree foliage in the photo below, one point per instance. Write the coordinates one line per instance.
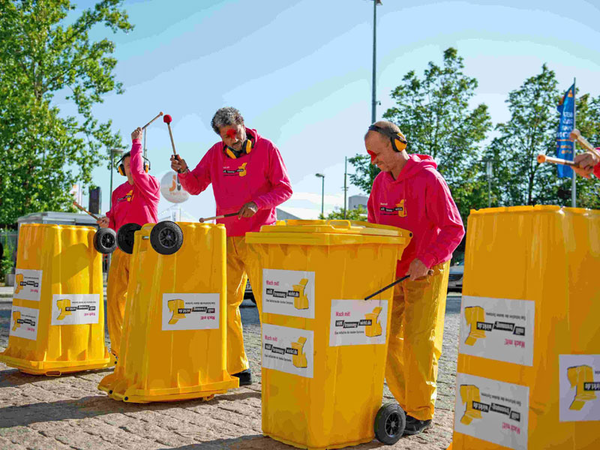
(359, 213)
(45, 60)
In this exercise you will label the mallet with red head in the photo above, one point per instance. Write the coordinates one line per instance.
(168, 119)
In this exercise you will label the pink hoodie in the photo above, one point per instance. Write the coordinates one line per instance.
(597, 168)
(137, 203)
(259, 176)
(418, 201)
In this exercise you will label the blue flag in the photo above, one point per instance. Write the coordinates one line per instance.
(564, 146)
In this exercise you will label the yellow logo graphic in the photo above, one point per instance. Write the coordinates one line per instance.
(19, 283)
(468, 395)
(175, 306)
(299, 360)
(474, 314)
(401, 209)
(129, 196)
(374, 329)
(63, 305)
(16, 318)
(579, 376)
(242, 170)
(301, 302)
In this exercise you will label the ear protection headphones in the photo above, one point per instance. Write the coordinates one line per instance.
(394, 137)
(121, 166)
(246, 148)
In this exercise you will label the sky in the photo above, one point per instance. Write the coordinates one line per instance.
(300, 73)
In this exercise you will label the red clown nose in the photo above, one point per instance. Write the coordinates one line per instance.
(167, 118)
(231, 133)
(372, 155)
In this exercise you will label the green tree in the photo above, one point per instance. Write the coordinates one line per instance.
(434, 114)
(360, 213)
(43, 152)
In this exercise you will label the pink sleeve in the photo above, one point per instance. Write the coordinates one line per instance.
(281, 188)
(148, 185)
(442, 211)
(372, 218)
(197, 180)
(597, 168)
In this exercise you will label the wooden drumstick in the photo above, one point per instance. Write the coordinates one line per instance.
(159, 115)
(577, 137)
(78, 206)
(549, 159)
(206, 219)
(168, 119)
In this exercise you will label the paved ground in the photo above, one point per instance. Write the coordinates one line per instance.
(70, 413)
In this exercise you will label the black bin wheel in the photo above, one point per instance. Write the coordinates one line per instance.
(105, 240)
(390, 422)
(126, 235)
(166, 237)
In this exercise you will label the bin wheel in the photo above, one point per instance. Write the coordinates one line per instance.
(105, 241)
(126, 235)
(390, 422)
(166, 237)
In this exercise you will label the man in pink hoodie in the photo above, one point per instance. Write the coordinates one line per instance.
(249, 178)
(135, 201)
(410, 193)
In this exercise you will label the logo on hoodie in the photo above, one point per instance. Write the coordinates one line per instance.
(398, 209)
(241, 171)
(127, 197)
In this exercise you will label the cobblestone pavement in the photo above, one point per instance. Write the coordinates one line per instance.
(69, 412)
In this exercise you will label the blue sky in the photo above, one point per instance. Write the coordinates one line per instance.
(300, 72)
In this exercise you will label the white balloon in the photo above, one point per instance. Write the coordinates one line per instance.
(171, 188)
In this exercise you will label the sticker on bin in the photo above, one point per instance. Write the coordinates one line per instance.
(358, 322)
(75, 309)
(579, 388)
(497, 328)
(190, 312)
(288, 350)
(492, 411)
(24, 322)
(289, 293)
(28, 284)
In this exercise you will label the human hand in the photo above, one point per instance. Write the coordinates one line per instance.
(418, 270)
(137, 134)
(586, 162)
(248, 210)
(103, 222)
(178, 165)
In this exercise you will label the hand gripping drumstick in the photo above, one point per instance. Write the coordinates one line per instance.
(576, 136)
(205, 219)
(78, 206)
(146, 126)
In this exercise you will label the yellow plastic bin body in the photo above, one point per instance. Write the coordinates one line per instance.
(323, 366)
(529, 350)
(174, 343)
(57, 319)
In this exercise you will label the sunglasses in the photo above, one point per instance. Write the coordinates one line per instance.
(372, 155)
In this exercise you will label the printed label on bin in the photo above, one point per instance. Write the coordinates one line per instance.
(579, 388)
(28, 284)
(75, 309)
(497, 328)
(358, 322)
(288, 350)
(24, 322)
(190, 312)
(289, 293)
(492, 411)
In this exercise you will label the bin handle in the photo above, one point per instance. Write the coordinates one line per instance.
(339, 223)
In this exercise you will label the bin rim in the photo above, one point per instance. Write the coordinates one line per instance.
(335, 226)
(533, 209)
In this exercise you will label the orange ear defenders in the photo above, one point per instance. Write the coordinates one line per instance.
(397, 139)
(121, 166)
(246, 148)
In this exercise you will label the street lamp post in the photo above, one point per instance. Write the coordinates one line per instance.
(374, 99)
(490, 174)
(112, 160)
(322, 177)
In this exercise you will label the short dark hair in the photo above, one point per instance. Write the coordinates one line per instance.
(225, 117)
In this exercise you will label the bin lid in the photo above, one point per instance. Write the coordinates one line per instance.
(328, 232)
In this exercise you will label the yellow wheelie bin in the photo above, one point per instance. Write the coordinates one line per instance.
(174, 343)
(57, 318)
(528, 370)
(324, 346)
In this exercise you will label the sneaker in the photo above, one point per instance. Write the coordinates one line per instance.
(245, 377)
(416, 426)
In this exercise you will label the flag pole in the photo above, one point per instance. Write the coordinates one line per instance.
(574, 180)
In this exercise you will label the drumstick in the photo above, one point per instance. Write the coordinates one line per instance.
(204, 219)
(399, 280)
(576, 136)
(77, 205)
(549, 159)
(145, 126)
